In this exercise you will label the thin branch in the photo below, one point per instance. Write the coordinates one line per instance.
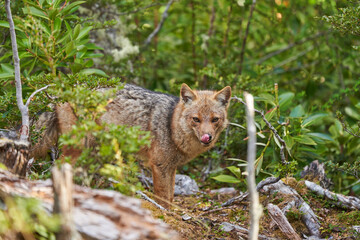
(261, 184)
(24, 131)
(346, 128)
(157, 29)
(193, 46)
(255, 207)
(150, 200)
(213, 210)
(210, 33)
(245, 37)
(276, 134)
(35, 92)
(291, 45)
(137, 10)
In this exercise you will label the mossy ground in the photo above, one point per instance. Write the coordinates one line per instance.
(207, 215)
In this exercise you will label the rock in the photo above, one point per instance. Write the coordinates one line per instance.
(184, 185)
(186, 217)
(228, 190)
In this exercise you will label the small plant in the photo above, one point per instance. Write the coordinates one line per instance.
(27, 217)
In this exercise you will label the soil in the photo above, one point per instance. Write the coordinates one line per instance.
(207, 215)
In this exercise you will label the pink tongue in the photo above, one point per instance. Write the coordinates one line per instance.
(205, 138)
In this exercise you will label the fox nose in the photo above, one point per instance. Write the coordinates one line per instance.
(206, 138)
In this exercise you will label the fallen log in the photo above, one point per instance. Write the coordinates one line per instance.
(97, 214)
(308, 217)
(281, 221)
(340, 200)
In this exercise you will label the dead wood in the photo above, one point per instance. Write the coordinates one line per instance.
(243, 232)
(315, 172)
(281, 221)
(97, 214)
(340, 200)
(259, 186)
(308, 216)
(14, 155)
(63, 201)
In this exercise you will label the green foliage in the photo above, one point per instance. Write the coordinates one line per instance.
(108, 148)
(28, 217)
(347, 21)
(51, 38)
(292, 43)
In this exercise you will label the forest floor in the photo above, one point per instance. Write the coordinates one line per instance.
(201, 216)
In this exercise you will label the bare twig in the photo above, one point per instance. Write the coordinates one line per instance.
(193, 46)
(346, 129)
(158, 27)
(267, 181)
(245, 37)
(210, 33)
(150, 200)
(291, 45)
(35, 92)
(276, 134)
(213, 210)
(137, 10)
(255, 207)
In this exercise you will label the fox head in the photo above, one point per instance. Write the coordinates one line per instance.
(204, 113)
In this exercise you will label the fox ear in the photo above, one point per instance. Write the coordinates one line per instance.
(223, 96)
(187, 95)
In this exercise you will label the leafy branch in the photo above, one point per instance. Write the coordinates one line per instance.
(276, 134)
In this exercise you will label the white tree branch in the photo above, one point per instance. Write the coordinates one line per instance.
(255, 207)
(24, 131)
(35, 92)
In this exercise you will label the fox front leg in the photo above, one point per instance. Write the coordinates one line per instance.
(164, 182)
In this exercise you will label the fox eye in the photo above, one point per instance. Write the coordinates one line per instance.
(195, 119)
(215, 119)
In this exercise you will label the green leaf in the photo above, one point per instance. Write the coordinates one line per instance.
(6, 75)
(303, 139)
(236, 159)
(83, 32)
(35, 12)
(227, 179)
(4, 24)
(235, 170)
(237, 125)
(297, 112)
(90, 71)
(271, 114)
(285, 100)
(71, 7)
(76, 31)
(265, 97)
(352, 113)
(313, 119)
(258, 164)
(322, 136)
